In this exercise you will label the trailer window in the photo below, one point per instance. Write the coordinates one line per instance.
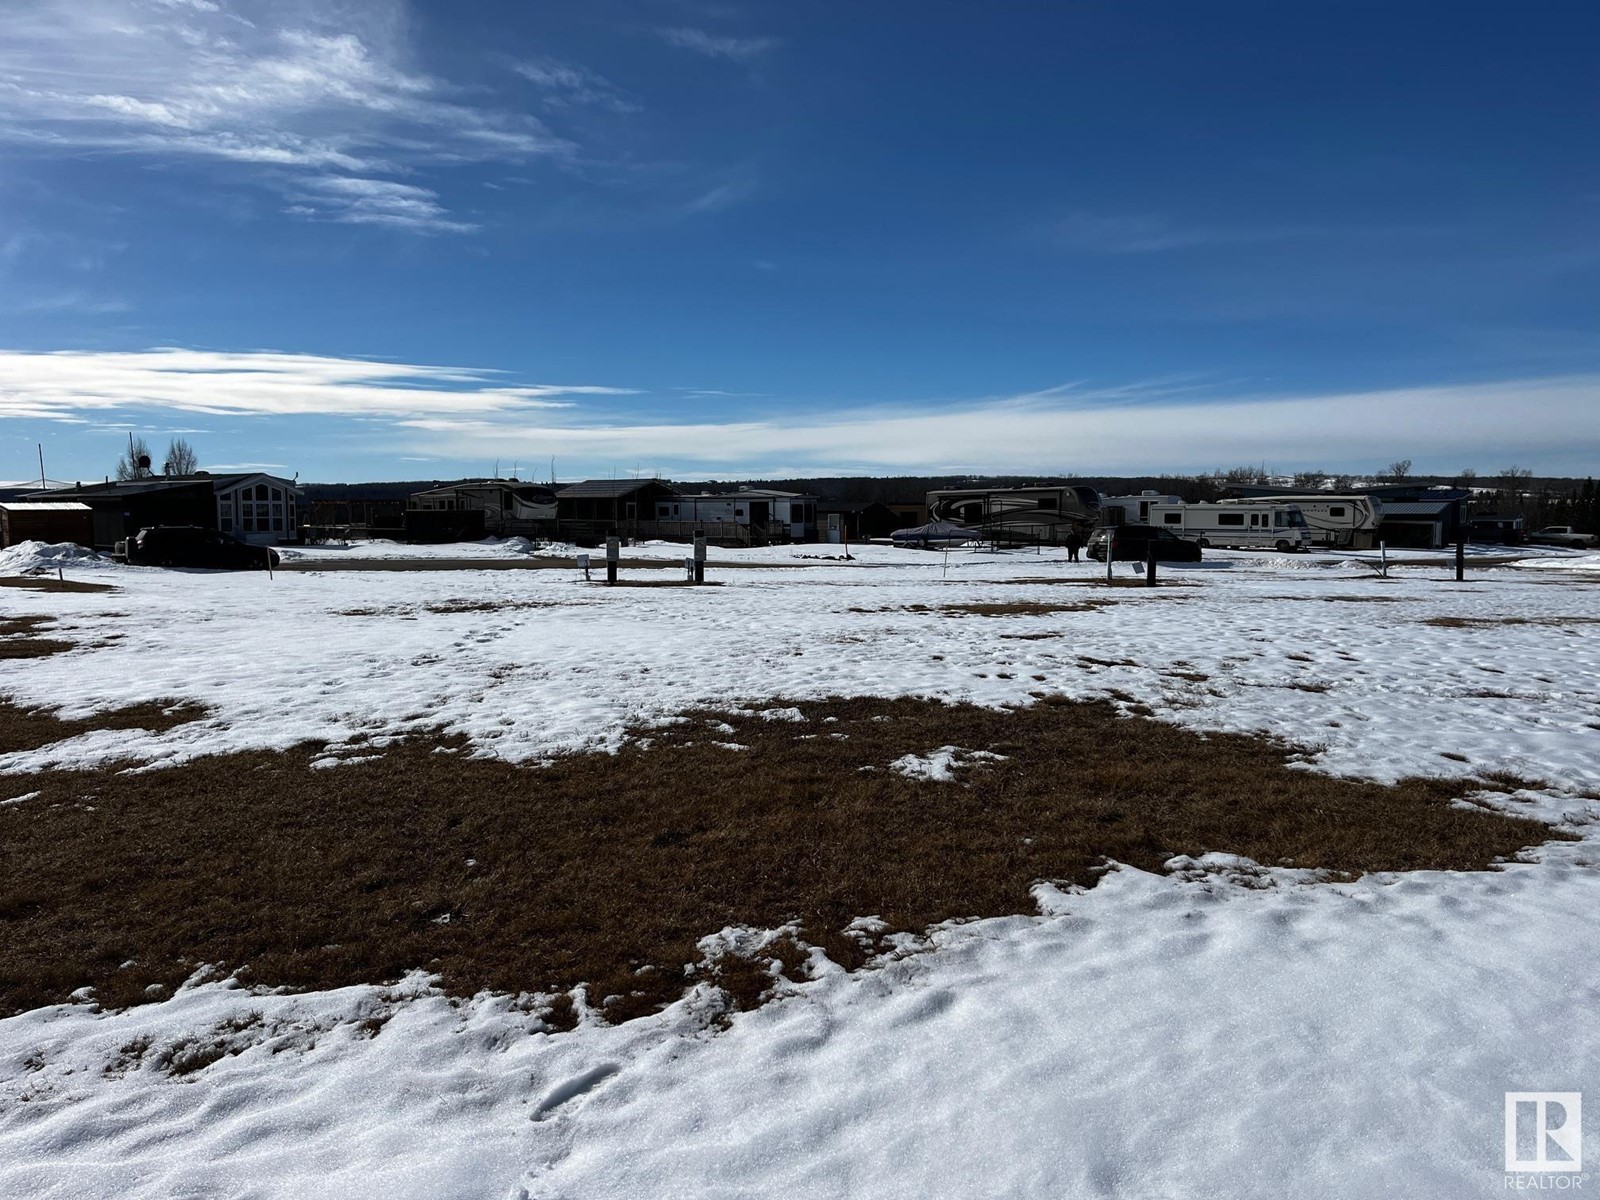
(1336, 511)
(1172, 518)
(1230, 518)
(1048, 502)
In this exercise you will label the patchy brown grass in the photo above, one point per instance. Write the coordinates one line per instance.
(43, 583)
(18, 640)
(1018, 608)
(607, 869)
(31, 728)
(446, 607)
(1494, 622)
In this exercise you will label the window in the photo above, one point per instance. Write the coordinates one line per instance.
(1172, 518)
(1230, 518)
(1336, 511)
(1048, 503)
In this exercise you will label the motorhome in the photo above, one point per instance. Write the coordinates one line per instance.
(1024, 516)
(1132, 510)
(1348, 522)
(1236, 525)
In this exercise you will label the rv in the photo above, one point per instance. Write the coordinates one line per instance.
(1345, 521)
(1024, 516)
(1132, 510)
(1236, 525)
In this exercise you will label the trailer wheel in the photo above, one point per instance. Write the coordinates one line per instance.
(1283, 547)
(1203, 544)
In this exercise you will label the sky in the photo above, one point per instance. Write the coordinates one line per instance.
(376, 239)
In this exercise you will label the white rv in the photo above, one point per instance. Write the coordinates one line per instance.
(1345, 521)
(1133, 510)
(1236, 526)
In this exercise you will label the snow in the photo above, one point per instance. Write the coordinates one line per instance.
(35, 556)
(1223, 1029)
(941, 764)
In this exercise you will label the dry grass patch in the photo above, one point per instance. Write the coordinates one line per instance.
(43, 583)
(18, 638)
(31, 728)
(607, 869)
(1494, 622)
(1019, 608)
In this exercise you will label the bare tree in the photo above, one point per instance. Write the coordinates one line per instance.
(135, 461)
(1310, 480)
(1467, 476)
(1514, 480)
(1399, 470)
(181, 458)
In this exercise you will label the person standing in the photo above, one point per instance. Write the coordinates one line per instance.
(1074, 544)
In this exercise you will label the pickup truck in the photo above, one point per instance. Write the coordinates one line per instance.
(1564, 535)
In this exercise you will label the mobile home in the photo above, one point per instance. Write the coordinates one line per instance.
(1132, 510)
(1236, 525)
(1345, 521)
(1023, 516)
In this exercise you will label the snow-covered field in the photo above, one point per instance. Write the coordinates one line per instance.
(1220, 1030)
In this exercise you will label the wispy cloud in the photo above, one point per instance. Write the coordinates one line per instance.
(67, 384)
(1084, 431)
(712, 45)
(280, 87)
(1151, 234)
(565, 85)
(470, 414)
(724, 195)
(358, 201)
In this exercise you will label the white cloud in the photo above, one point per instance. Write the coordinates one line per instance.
(566, 84)
(1551, 425)
(1151, 234)
(1556, 428)
(287, 85)
(735, 49)
(63, 385)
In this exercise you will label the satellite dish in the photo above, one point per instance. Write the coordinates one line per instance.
(144, 462)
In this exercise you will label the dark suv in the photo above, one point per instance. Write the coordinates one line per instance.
(192, 546)
(1133, 544)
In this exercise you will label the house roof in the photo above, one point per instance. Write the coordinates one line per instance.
(156, 483)
(606, 489)
(44, 506)
(1416, 508)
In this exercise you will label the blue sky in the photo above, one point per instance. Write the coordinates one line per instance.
(374, 239)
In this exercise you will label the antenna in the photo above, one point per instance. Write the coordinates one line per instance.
(42, 483)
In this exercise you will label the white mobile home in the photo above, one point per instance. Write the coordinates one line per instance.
(1345, 521)
(1132, 510)
(1237, 526)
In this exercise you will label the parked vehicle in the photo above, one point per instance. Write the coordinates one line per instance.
(1346, 521)
(1132, 543)
(1238, 525)
(1563, 535)
(194, 546)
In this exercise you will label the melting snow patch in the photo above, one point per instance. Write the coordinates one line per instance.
(18, 799)
(941, 765)
(782, 714)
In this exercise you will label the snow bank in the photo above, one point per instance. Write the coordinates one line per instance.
(37, 556)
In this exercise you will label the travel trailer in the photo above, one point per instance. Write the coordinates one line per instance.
(1132, 510)
(1236, 525)
(1348, 522)
(1024, 516)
